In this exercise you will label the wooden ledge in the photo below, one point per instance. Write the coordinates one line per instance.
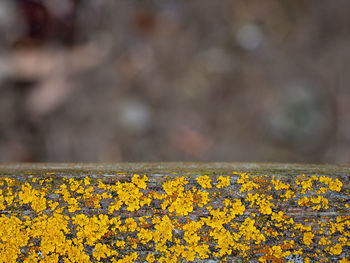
(169, 167)
(174, 212)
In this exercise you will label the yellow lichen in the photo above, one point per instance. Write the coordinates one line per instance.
(88, 220)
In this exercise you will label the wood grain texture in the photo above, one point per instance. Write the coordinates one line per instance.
(174, 212)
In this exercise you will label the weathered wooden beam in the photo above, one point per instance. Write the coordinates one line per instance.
(174, 212)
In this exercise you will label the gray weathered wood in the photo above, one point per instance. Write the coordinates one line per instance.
(158, 174)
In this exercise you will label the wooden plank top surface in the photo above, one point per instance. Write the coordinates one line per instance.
(174, 212)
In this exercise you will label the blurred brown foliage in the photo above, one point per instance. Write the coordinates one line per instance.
(202, 80)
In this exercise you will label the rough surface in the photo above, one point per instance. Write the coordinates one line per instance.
(174, 212)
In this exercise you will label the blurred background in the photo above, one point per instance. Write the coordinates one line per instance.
(175, 80)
